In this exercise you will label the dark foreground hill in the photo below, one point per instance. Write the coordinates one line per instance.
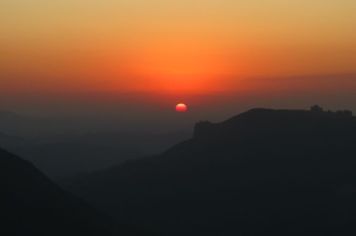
(264, 172)
(30, 204)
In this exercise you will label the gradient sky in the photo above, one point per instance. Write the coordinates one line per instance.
(177, 46)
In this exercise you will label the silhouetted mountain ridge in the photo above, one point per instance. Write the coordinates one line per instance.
(280, 172)
(33, 205)
(268, 120)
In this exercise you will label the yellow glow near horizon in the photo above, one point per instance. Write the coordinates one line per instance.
(180, 45)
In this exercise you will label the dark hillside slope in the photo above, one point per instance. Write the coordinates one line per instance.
(30, 204)
(284, 172)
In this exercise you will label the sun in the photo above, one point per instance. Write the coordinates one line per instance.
(181, 107)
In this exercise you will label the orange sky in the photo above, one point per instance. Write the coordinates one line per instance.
(174, 46)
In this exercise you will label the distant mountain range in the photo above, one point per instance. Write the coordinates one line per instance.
(263, 172)
(81, 150)
(68, 155)
(32, 205)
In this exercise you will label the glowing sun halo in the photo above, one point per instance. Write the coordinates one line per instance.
(181, 107)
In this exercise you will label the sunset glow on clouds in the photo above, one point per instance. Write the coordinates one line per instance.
(172, 46)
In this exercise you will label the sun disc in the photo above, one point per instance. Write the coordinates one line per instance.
(181, 107)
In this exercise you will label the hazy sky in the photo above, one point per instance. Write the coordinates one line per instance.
(176, 46)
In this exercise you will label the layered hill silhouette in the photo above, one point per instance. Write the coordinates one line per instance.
(30, 204)
(61, 147)
(263, 172)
